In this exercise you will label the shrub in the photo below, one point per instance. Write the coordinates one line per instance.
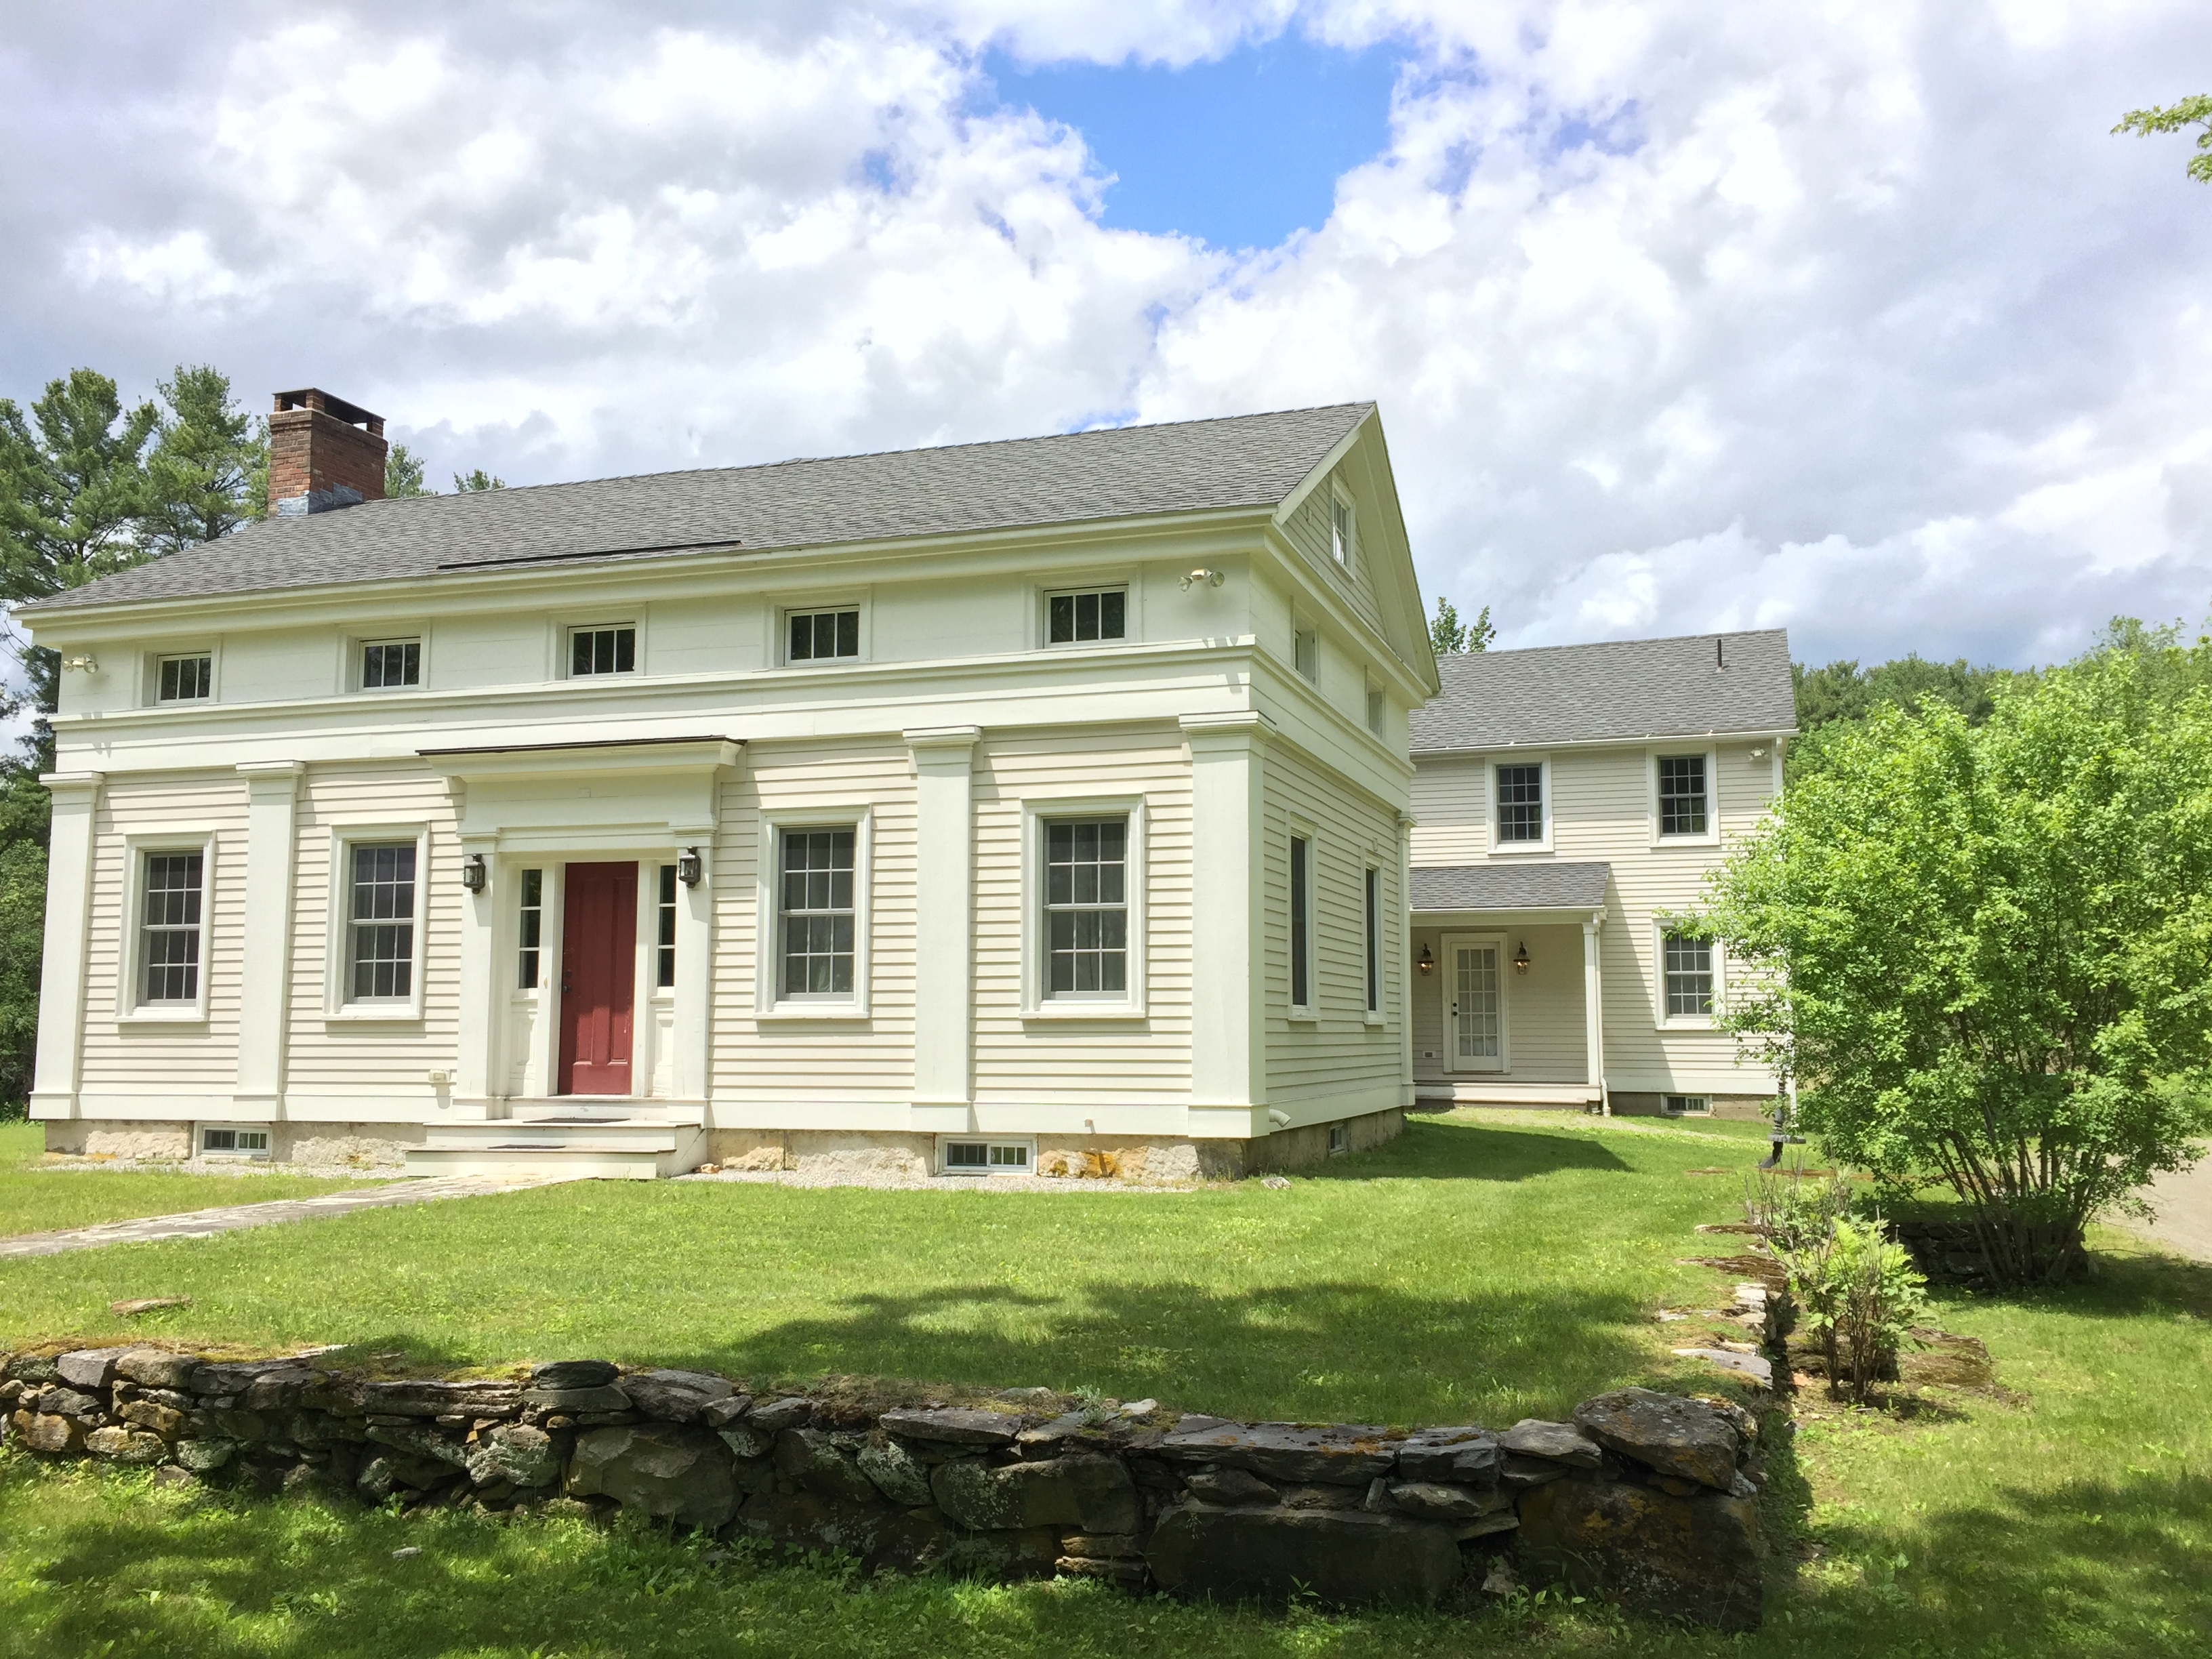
(1860, 1295)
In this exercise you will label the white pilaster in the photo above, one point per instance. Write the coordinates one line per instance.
(1402, 940)
(61, 973)
(484, 1003)
(1228, 945)
(272, 791)
(694, 968)
(944, 915)
(1594, 1014)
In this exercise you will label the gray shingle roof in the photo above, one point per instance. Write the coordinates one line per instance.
(1539, 885)
(1617, 689)
(1245, 460)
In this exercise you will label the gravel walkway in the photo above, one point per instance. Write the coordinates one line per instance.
(234, 1218)
(2184, 1203)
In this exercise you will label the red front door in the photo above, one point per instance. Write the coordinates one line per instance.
(599, 977)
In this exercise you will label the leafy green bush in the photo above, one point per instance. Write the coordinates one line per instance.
(1860, 1296)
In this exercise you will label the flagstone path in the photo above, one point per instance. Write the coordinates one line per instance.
(232, 1217)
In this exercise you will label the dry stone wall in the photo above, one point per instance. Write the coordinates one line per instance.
(1647, 1499)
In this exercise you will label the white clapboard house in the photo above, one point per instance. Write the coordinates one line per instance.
(1040, 805)
(1571, 802)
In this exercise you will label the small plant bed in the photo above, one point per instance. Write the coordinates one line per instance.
(38, 1196)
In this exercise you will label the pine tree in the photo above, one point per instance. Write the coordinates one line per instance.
(205, 460)
(402, 474)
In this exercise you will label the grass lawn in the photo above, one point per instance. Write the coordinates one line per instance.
(36, 1201)
(1483, 1268)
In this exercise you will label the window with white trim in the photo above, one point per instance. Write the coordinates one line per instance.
(391, 665)
(1087, 907)
(1302, 928)
(1687, 968)
(1082, 618)
(171, 902)
(1372, 891)
(233, 1140)
(531, 929)
(184, 679)
(821, 635)
(984, 1157)
(1520, 803)
(1684, 807)
(1375, 708)
(664, 929)
(1305, 651)
(1340, 531)
(815, 916)
(381, 922)
(595, 651)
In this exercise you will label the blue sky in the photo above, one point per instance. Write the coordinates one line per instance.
(1239, 152)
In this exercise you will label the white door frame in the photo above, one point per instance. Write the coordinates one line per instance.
(1449, 991)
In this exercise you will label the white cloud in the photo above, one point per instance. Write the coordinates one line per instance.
(1850, 318)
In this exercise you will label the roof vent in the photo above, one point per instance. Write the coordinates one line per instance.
(324, 453)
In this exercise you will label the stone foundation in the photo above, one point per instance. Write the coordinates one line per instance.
(353, 1146)
(1626, 1103)
(1648, 1500)
(1147, 1160)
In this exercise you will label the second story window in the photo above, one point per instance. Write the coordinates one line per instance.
(387, 664)
(1374, 709)
(1520, 803)
(602, 651)
(184, 679)
(1305, 651)
(1075, 618)
(822, 635)
(1682, 806)
(1340, 532)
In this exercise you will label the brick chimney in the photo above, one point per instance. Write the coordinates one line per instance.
(324, 453)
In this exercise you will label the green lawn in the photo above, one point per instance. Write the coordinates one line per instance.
(35, 1200)
(1484, 1267)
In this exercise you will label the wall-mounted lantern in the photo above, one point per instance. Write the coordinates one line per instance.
(1202, 577)
(474, 875)
(1427, 964)
(1520, 958)
(688, 869)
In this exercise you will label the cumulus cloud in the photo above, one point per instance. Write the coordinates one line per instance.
(1849, 318)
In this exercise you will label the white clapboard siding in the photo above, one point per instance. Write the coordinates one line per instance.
(1338, 1053)
(1309, 530)
(827, 1060)
(1106, 1062)
(124, 1058)
(384, 1058)
(1451, 809)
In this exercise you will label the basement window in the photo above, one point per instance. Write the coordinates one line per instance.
(984, 1157)
(230, 1140)
(1340, 1139)
(1689, 1105)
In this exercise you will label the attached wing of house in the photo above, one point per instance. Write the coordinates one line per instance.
(1570, 801)
(1027, 805)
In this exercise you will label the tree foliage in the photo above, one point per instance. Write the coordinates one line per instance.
(1985, 951)
(207, 455)
(1449, 635)
(474, 482)
(402, 474)
(1841, 696)
(2175, 118)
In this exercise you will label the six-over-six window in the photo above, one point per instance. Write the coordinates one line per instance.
(380, 923)
(816, 901)
(1086, 907)
(169, 928)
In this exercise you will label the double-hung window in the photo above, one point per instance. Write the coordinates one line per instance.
(1687, 968)
(1082, 618)
(1305, 651)
(822, 635)
(380, 923)
(184, 679)
(817, 918)
(1684, 809)
(1520, 804)
(594, 651)
(1087, 907)
(1302, 972)
(169, 929)
(1340, 531)
(391, 665)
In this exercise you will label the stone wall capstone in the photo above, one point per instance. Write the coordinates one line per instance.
(1648, 1500)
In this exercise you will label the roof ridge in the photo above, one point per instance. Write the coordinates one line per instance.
(1590, 645)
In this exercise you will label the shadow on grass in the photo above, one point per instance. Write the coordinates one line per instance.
(1448, 1152)
(1308, 1351)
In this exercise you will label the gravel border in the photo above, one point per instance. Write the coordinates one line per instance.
(888, 1181)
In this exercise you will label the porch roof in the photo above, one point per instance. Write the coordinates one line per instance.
(1538, 885)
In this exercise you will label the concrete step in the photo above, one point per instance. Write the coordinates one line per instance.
(597, 1148)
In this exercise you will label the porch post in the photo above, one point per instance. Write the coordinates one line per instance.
(945, 917)
(272, 792)
(61, 976)
(1594, 1014)
(1406, 822)
(1228, 915)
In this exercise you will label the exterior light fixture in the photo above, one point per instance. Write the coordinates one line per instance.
(688, 869)
(1211, 577)
(473, 874)
(89, 663)
(1520, 958)
(1427, 964)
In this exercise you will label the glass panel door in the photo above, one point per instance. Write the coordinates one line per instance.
(1478, 1010)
